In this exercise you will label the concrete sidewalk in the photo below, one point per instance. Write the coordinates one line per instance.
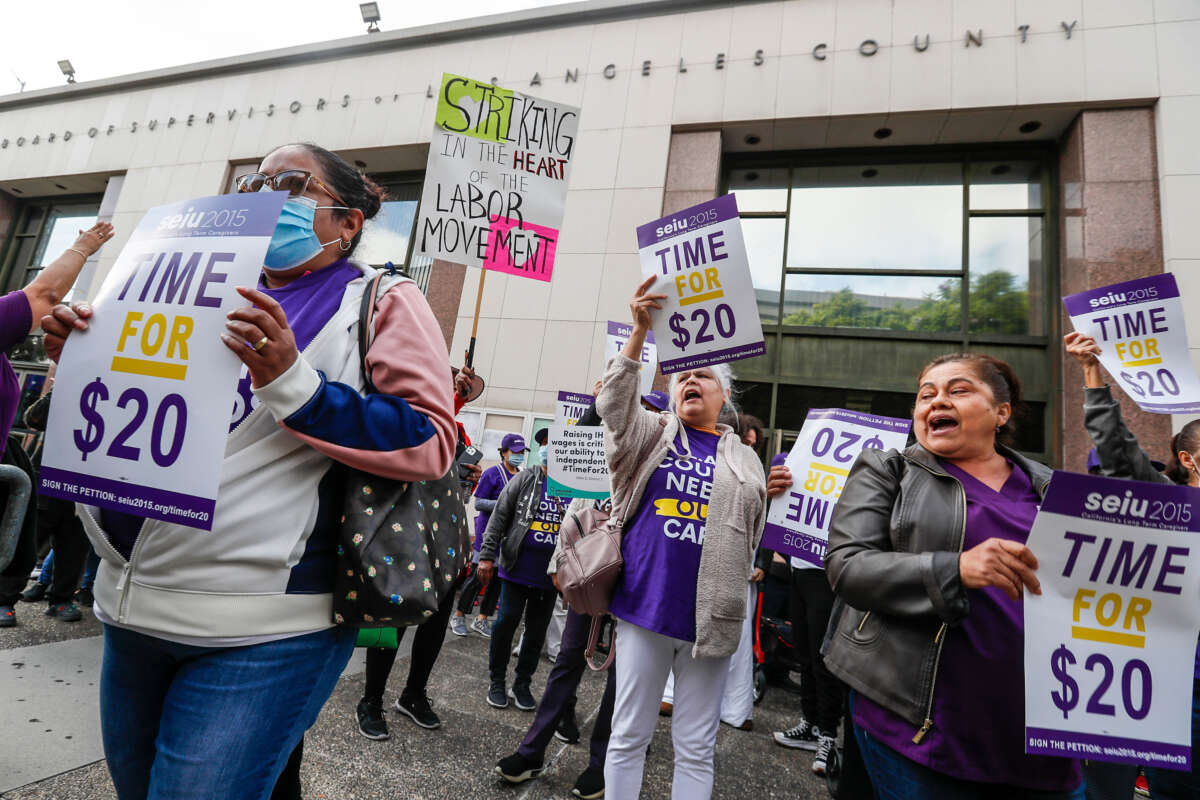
(454, 762)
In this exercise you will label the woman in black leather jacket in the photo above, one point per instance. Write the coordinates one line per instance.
(927, 556)
(1121, 457)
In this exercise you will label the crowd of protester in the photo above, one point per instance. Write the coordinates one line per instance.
(219, 650)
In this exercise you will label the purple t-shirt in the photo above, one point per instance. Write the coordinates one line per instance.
(309, 302)
(978, 731)
(534, 555)
(662, 542)
(491, 483)
(16, 318)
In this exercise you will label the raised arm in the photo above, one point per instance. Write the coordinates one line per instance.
(1120, 454)
(56, 278)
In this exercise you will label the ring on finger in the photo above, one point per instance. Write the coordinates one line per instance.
(259, 344)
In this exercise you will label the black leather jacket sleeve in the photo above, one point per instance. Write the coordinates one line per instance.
(865, 566)
(1118, 449)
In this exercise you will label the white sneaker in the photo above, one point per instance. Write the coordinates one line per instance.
(825, 746)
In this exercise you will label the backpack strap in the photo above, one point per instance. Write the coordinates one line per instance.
(366, 327)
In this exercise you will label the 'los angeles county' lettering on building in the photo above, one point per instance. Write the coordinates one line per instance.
(820, 52)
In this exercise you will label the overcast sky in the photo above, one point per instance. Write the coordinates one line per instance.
(118, 37)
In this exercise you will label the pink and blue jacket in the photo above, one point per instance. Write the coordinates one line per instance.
(267, 566)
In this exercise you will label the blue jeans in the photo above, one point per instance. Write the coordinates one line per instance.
(90, 565)
(537, 606)
(181, 722)
(46, 575)
(1169, 784)
(898, 778)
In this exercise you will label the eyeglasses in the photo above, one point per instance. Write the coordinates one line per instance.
(293, 181)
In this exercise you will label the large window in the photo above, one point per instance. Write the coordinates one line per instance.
(866, 267)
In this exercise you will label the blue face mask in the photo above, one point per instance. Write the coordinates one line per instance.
(294, 242)
(516, 459)
(544, 453)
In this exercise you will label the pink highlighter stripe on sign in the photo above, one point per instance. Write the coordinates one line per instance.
(533, 246)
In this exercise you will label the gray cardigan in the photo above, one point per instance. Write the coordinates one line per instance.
(635, 443)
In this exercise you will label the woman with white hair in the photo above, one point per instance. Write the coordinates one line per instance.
(690, 500)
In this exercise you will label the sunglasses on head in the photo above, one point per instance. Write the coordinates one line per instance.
(293, 181)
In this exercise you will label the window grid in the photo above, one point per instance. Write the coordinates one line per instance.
(963, 338)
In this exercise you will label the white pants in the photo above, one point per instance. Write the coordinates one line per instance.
(737, 704)
(555, 630)
(644, 659)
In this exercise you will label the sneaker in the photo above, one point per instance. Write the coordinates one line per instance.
(417, 709)
(590, 784)
(517, 768)
(34, 593)
(802, 736)
(8, 617)
(522, 698)
(66, 612)
(496, 697)
(567, 730)
(458, 625)
(825, 744)
(666, 709)
(483, 627)
(84, 597)
(371, 723)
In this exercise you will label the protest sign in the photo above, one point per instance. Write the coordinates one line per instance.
(614, 342)
(1143, 342)
(142, 398)
(711, 313)
(1110, 643)
(820, 460)
(496, 178)
(577, 466)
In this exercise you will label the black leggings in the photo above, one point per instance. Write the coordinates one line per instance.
(470, 589)
(427, 645)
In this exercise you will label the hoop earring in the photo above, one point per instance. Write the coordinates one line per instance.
(344, 245)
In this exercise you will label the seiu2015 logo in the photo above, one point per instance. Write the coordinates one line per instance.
(1117, 298)
(191, 219)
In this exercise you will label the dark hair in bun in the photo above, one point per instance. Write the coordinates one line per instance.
(353, 186)
(1187, 440)
(1000, 378)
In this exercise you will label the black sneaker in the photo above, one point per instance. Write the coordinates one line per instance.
(496, 697)
(35, 592)
(371, 723)
(518, 769)
(8, 617)
(66, 612)
(523, 698)
(590, 784)
(803, 736)
(84, 597)
(567, 730)
(417, 709)
(825, 747)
